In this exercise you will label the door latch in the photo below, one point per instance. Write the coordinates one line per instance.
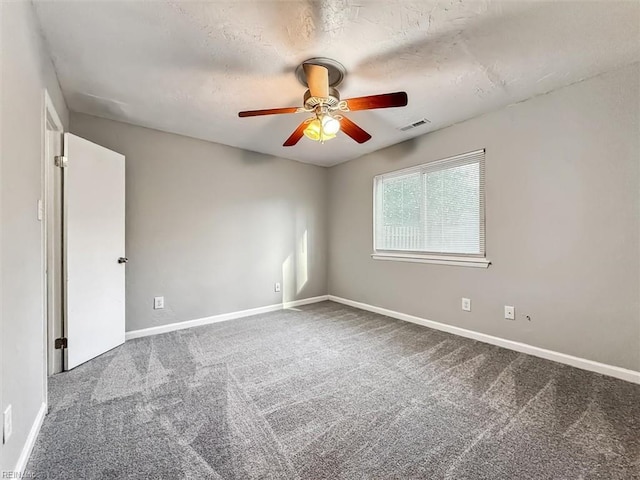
(123, 260)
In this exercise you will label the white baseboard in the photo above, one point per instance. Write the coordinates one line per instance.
(31, 440)
(305, 301)
(583, 363)
(145, 332)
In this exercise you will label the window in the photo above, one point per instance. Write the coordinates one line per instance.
(432, 213)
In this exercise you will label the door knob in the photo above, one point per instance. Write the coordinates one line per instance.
(123, 260)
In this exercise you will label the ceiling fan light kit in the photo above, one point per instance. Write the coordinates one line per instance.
(321, 128)
(322, 99)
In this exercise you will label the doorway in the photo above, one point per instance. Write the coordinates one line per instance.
(50, 212)
(83, 236)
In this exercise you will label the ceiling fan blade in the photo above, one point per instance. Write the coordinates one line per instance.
(353, 130)
(296, 135)
(385, 100)
(269, 111)
(317, 79)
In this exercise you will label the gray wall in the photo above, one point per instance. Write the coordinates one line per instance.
(562, 206)
(211, 227)
(26, 71)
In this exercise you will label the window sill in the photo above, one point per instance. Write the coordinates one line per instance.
(435, 259)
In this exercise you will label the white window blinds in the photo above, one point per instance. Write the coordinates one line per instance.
(434, 208)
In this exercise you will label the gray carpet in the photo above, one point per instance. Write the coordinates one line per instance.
(331, 392)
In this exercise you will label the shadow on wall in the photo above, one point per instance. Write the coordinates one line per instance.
(256, 158)
(295, 268)
(399, 151)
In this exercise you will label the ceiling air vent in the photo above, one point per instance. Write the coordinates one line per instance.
(423, 121)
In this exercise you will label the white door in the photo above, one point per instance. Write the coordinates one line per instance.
(93, 219)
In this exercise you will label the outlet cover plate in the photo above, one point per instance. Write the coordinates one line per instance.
(158, 303)
(466, 304)
(509, 312)
(7, 424)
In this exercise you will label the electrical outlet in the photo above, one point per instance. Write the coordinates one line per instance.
(509, 312)
(158, 303)
(466, 304)
(7, 428)
(276, 287)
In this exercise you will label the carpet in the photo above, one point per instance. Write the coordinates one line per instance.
(327, 391)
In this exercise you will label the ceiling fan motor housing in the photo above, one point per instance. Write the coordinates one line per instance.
(331, 101)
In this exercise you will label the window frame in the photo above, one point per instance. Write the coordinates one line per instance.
(441, 258)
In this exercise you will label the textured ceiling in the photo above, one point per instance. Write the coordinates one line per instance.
(189, 67)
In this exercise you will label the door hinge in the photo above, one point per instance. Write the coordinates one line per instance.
(60, 161)
(61, 343)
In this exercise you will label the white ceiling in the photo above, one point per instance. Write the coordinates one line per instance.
(189, 67)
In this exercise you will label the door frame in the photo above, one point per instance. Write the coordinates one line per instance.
(51, 124)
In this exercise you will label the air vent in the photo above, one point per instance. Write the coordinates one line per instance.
(423, 121)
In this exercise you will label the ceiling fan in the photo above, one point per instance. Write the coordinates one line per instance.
(322, 100)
